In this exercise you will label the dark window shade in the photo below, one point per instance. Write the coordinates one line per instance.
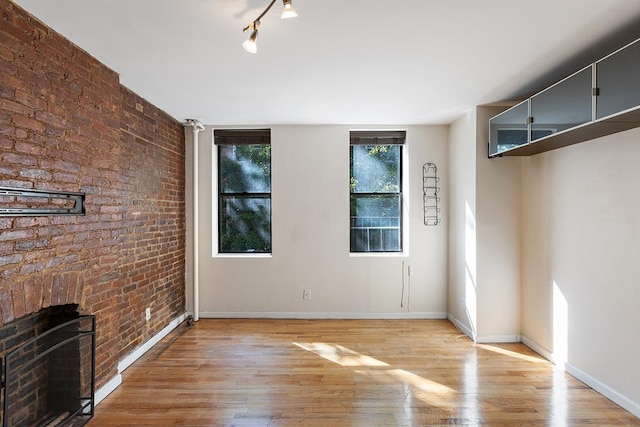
(241, 136)
(382, 137)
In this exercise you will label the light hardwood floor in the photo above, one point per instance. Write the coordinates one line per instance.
(347, 373)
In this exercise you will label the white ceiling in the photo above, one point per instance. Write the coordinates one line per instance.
(368, 62)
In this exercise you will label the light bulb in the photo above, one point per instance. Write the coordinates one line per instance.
(288, 11)
(250, 45)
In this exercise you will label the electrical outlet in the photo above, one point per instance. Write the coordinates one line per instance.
(306, 294)
(147, 314)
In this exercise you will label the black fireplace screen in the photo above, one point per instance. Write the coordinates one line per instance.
(49, 380)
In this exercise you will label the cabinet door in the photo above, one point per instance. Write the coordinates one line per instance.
(618, 81)
(509, 129)
(564, 105)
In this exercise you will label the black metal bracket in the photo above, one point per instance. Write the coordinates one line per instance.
(16, 206)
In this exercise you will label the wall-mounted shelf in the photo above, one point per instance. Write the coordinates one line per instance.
(601, 99)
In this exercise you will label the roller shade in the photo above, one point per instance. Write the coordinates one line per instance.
(383, 137)
(241, 136)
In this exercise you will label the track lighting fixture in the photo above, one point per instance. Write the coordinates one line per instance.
(287, 12)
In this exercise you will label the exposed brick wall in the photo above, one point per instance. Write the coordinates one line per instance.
(66, 124)
(152, 236)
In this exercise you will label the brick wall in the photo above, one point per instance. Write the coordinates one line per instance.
(66, 124)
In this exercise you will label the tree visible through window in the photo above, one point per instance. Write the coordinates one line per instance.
(244, 191)
(376, 191)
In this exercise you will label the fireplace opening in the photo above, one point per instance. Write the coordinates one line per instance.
(48, 378)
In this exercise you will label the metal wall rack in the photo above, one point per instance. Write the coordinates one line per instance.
(430, 197)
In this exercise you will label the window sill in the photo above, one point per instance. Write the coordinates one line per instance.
(243, 255)
(378, 255)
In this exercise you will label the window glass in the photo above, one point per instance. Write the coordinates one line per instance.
(245, 168)
(245, 224)
(376, 198)
(244, 197)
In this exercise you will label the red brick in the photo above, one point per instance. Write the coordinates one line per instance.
(27, 269)
(19, 159)
(65, 177)
(28, 147)
(37, 174)
(34, 103)
(7, 130)
(16, 107)
(7, 54)
(28, 123)
(10, 259)
(6, 304)
(19, 302)
(33, 294)
(15, 235)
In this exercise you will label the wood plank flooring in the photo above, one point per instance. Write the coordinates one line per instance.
(370, 373)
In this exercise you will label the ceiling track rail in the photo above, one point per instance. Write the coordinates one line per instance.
(16, 202)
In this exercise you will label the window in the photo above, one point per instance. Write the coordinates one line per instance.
(376, 191)
(244, 190)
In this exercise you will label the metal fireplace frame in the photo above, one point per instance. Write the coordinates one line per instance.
(87, 403)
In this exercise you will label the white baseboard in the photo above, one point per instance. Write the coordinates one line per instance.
(483, 339)
(605, 390)
(320, 315)
(592, 382)
(138, 352)
(114, 382)
(496, 339)
(462, 327)
(106, 389)
(538, 349)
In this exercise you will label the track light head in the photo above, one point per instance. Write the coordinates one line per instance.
(288, 11)
(250, 45)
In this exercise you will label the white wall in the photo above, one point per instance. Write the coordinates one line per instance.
(310, 230)
(581, 234)
(484, 239)
(462, 223)
(498, 238)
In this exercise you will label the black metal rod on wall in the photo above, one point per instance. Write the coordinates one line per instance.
(14, 208)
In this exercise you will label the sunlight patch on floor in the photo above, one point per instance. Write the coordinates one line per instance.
(340, 355)
(414, 386)
(516, 355)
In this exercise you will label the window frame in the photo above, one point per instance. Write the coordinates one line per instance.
(381, 138)
(240, 137)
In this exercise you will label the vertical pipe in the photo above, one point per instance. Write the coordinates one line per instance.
(196, 128)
